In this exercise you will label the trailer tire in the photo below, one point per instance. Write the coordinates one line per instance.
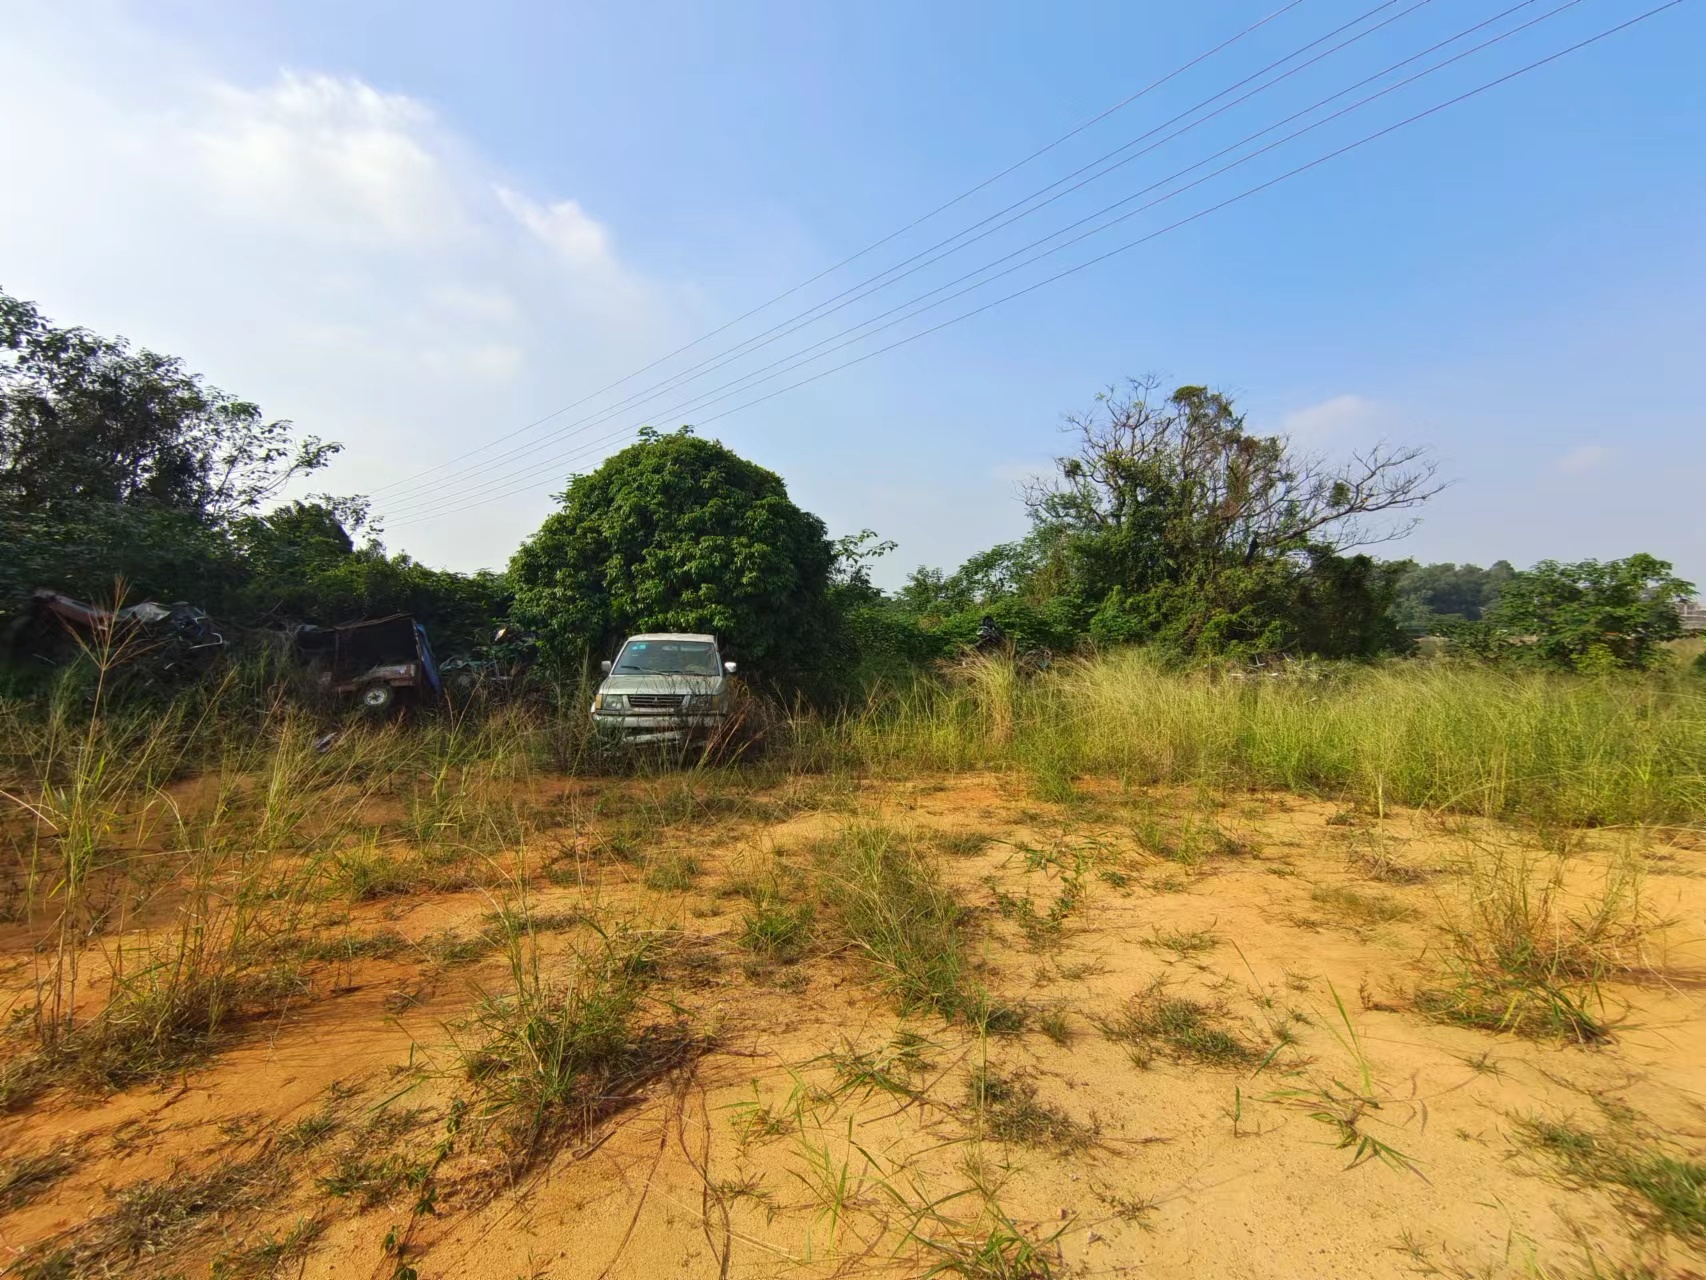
(376, 699)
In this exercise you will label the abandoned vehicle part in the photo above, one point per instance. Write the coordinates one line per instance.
(376, 659)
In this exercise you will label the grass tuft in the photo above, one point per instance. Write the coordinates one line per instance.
(1666, 1191)
(674, 873)
(26, 1178)
(1363, 910)
(776, 930)
(888, 900)
(550, 1059)
(1519, 957)
(1008, 1109)
(147, 1219)
(1157, 1021)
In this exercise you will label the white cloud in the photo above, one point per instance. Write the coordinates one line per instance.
(324, 246)
(563, 226)
(330, 157)
(1330, 419)
(1584, 458)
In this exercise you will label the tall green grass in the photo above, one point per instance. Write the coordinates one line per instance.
(1469, 739)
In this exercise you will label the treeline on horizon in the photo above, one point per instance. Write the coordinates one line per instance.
(1169, 525)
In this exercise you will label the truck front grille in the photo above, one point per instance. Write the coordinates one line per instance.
(656, 701)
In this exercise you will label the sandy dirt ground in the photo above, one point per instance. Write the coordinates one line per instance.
(809, 1128)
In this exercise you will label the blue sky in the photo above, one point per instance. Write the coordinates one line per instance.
(418, 227)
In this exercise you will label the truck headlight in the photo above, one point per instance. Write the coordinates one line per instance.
(716, 701)
(609, 702)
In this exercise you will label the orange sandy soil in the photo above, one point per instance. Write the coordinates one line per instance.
(760, 1158)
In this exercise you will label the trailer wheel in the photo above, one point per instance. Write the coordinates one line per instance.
(376, 699)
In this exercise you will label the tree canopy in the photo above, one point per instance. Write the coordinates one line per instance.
(1432, 595)
(1169, 523)
(677, 533)
(1591, 616)
(90, 419)
(118, 464)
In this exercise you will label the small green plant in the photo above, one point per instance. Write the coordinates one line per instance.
(889, 1069)
(1364, 910)
(673, 873)
(1053, 1024)
(1008, 1109)
(370, 1179)
(1517, 958)
(310, 1131)
(993, 1247)
(776, 930)
(382, 944)
(889, 901)
(1158, 1021)
(1347, 1108)
(262, 1259)
(829, 1176)
(1188, 841)
(548, 1058)
(758, 1121)
(1184, 943)
(961, 844)
(370, 870)
(1129, 1208)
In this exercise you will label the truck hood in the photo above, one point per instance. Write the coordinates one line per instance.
(664, 684)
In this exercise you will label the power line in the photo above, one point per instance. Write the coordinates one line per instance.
(875, 244)
(1201, 213)
(800, 357)
(413, 493)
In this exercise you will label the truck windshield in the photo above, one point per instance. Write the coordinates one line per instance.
(668, 657)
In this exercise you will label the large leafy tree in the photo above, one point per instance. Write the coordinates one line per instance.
(1173, 522)
(677, 533)
(1174, 488)
(118, 464)
(1432, 595)
(87, 419)
(1591, 616)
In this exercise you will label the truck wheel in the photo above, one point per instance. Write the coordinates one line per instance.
(376, 699)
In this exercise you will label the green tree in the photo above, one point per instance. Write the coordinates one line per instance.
(1005, 570)
(1172, 522)
(117, 463)
(1591, 616)
(86, 419)
(294, 541)
(1434, 595)
(677, 533)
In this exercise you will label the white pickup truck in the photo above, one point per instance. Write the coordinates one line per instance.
(664, 687)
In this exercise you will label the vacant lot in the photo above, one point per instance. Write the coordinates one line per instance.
(1107, 973)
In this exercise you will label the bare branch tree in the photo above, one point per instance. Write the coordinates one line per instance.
(1184, 470)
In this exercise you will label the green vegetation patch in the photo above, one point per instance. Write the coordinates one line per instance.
(1157, 1021)
(1664, 1190)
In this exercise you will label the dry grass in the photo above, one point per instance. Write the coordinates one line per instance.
(1007, 1108)
(151, 1219)
(546, 1059)
(1522, 954)
(24, 1178)
(185, 882)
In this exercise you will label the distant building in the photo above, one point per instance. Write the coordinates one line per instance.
(1694, 617)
